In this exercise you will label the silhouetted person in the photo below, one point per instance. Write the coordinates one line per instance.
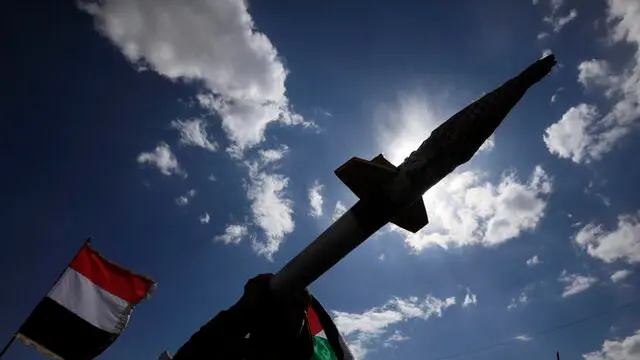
(258, 326)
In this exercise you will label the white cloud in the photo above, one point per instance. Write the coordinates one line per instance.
(524, 337)
(163, 159)
(535, 2)
(575, 284)
(233, 234)
(579, 135)
(521, 300)
(184, 199)
(212, 42)
(621, 243)
(212, 178)
(315, 199)
(627, 349)
(555, 5)
(270, 156)
(381, 257)
(488, 144)
(558, 22)
(597, 134)
(403, 125)
(338, 210)
(395, 338)
(545, 53)
(363, 329)
(272, 211)
(620, 275)
(598, 73)
(533, 261)
(204, 218)
(542, 35)
(554, 97)
(470, 299)
(463, 209)
(194, 133)
(605, 199)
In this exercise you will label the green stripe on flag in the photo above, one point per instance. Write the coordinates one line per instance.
(322, 349)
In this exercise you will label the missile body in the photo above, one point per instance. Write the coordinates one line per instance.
(394, 194)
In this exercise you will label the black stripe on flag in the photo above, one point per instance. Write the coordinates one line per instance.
(329, 327)
(63, 333)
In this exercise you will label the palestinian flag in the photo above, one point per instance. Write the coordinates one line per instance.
(328, 344)
(88, 307)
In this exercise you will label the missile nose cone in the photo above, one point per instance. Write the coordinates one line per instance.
(539, 69)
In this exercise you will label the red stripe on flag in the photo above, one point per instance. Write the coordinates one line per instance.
(111, 277)
(314, 323)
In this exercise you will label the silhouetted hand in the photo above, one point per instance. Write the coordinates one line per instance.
(276, 325)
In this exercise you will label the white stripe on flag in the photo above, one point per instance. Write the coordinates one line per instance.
(93, 304)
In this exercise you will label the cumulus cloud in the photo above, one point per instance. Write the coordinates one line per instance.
(619, 244)
(542, 35)
(212, 178)
(488, 144)
(464, 210)
(579, 135)
(272, 211)
(184, 199)
(315, 199)
(533, 261)
(596, 133)
(620, 275)
(558, 22)
(233, 234)
(363, 329)
(403, 125)
(194, 133)
(592, 73)
(470, 299)
(626, 349)
(213, 42)
(554, 97)
(524, 337)
(338, 210)
(163, 159)
(521, 300)
(204, 218)
(555, 5)
(269, 156)
(397, 337)
(575, 284)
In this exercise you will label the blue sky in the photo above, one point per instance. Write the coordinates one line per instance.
(196, 143)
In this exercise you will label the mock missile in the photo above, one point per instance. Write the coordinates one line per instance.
(390, 194)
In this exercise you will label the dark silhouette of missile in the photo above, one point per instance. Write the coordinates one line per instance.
(394, 194)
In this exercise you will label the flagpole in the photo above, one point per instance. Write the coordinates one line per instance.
(15, 334)
(6, 347)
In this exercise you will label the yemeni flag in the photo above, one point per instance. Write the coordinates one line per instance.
(88, 307)
(328, 344)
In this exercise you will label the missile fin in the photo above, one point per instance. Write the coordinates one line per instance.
(380, 159)
(367, 178)
(412, 218)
